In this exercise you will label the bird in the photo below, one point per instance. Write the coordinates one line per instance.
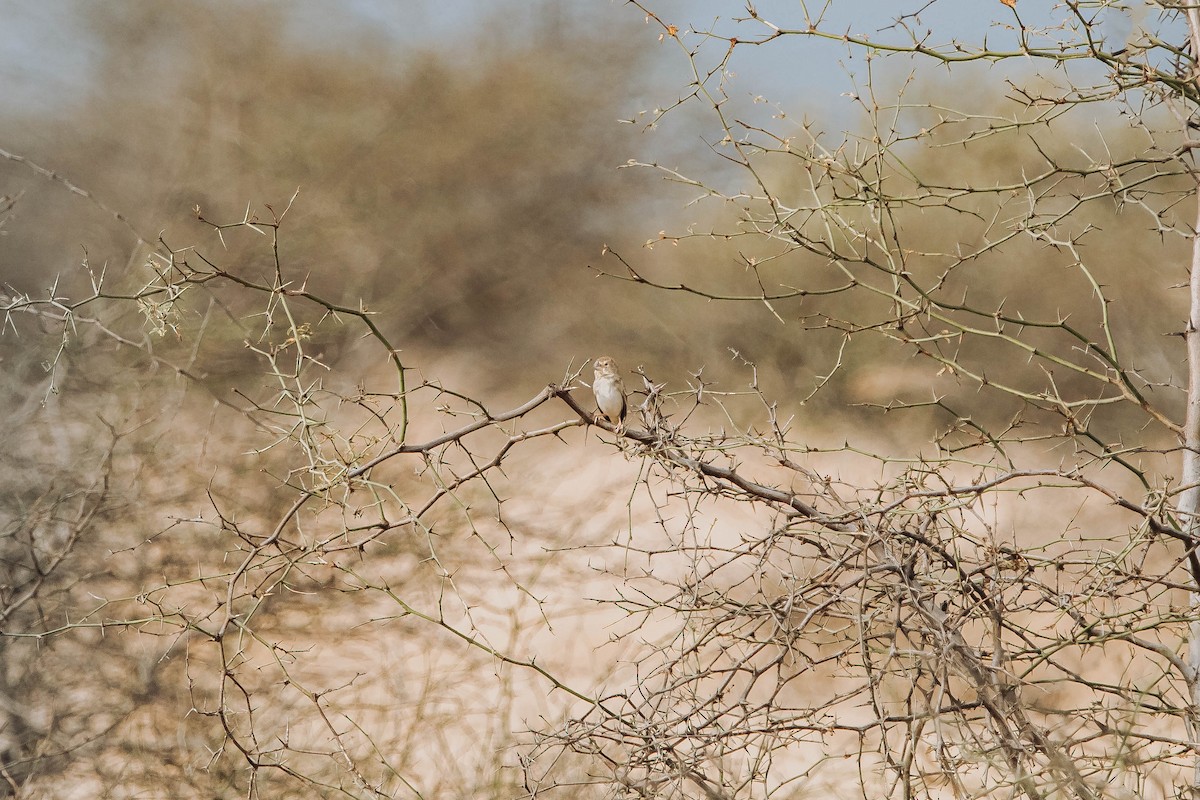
(609, 391)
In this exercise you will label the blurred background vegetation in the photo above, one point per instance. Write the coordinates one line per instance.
(464, 189)
(453, 189)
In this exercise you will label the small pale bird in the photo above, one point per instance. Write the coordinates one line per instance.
(609, 391)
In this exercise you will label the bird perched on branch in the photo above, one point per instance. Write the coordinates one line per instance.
(609, 391)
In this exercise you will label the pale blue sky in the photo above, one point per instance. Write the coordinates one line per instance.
(45, 52)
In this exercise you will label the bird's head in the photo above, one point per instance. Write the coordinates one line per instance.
(604, 365)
